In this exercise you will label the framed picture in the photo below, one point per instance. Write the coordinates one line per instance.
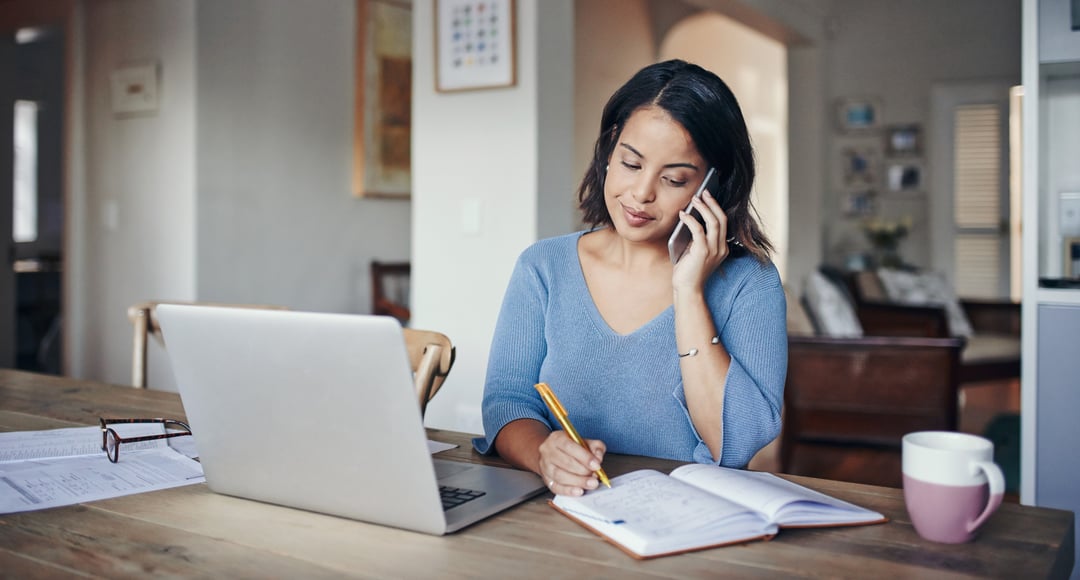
(858, 115)
(382, 128)
(134, 90)
(860, 166)
(474, 44)
(904, 176)
(861, 203)
(903, 140)
(1071, 252)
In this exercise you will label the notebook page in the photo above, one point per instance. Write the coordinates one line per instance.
(780, 500)
(649, 511)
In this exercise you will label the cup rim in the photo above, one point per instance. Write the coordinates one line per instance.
(947, 441)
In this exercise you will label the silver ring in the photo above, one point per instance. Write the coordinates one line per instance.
(551, 483)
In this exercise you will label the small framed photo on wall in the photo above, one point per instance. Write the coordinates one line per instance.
(856, 115)
(903, 140)
(860, 203)
(1071, 252)
(904, 176)
(860, 166)
(474, 44)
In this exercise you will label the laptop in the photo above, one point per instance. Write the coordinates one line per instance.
(317, 411)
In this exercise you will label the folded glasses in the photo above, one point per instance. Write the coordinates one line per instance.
(110, 441)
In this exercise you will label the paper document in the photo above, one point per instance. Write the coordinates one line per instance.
(434, 447)
(44, 469)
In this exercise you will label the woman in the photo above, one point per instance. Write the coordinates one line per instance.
(684, 362)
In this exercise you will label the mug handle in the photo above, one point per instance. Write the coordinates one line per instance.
(997, 490)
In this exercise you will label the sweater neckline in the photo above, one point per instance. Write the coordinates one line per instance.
(594, 312)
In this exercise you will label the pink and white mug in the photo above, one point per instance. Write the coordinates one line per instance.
(951, 484)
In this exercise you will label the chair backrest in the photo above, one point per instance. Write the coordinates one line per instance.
(143, 317)
(865, 393)
(390, 289)
(431, 353)
(432, 356)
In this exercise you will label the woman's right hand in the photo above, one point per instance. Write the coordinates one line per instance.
(568, 468)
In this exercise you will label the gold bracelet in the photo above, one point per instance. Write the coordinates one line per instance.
(694, 351)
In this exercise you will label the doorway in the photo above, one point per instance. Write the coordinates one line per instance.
(32, 74)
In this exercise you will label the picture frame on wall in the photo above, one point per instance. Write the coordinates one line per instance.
(858, 115)
(905, 176)
(382, 110)
(134, 89)
(1071, 253)
(859, 203)
(860, 166)
(475, 45)
(903, 140)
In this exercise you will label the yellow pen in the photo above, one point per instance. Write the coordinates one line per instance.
(560, 413)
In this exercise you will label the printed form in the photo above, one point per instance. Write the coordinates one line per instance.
(58, 467)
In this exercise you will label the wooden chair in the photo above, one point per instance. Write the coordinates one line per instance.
(390, 289)
(143, 317)
(849, 401)
(432, 356)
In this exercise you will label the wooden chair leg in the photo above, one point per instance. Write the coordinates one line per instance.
(426, 375)
(141, 321)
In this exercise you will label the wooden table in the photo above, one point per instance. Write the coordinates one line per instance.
(191, 531)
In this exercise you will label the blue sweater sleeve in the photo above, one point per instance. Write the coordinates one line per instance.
(754, 333)
(756, 338)
(518, 348)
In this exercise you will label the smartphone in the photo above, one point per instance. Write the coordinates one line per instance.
(681, 237)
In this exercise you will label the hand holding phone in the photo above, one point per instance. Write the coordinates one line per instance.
(681, 237)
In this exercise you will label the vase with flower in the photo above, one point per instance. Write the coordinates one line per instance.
(884, 237)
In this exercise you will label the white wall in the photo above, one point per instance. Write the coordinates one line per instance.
(599, 70)
(238, 188)
(137, 220)
(478, 152)
(556, 181)
(276, 220)
(897, 51)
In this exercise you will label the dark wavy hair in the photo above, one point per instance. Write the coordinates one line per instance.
(699, 101)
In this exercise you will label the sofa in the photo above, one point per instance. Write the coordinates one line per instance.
(907, 303)
(849, 397)
(914, 304)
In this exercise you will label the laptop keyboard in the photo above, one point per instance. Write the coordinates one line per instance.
(455, 496)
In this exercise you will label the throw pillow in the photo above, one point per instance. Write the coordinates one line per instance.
(829, 307)
(924, 288)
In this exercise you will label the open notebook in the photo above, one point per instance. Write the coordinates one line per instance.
(648, 514)
(317, 411)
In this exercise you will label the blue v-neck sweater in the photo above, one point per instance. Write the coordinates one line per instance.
(626, 389)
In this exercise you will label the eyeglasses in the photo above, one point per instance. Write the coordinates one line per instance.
(110, 441)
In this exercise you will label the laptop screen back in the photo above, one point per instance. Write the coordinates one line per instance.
(308, 410)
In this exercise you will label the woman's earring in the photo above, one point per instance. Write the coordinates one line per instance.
(606, 167)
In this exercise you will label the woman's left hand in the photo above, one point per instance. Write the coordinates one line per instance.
(709, 247)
